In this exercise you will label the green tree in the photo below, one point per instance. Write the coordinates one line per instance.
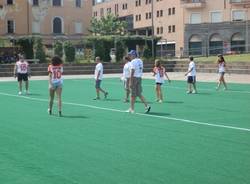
(108, 25)
(26, 44)
(70, 52)
(58, 48)
(39, 50)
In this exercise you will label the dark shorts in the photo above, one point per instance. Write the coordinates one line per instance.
(191, 79)
(22, 77)
(136, 88)
(158, 83)
(98, 84)
(221, 74)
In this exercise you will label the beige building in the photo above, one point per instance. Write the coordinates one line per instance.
(49, 18)
(198, 27)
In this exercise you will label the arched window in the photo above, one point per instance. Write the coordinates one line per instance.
(57, 25)
(195, 45)
(238, 43)
(215, 45)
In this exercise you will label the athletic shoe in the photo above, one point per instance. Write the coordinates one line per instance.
(27, 92)
(125, 100)
(97, 98)
(49, 111)
(194, 92)
(147, 109)
(225, 89)
(188, 92)
(156, 100)
(130, 111)
(106, 94)
(160, 101)
(20, 93)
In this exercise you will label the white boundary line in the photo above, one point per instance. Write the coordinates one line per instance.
(140, 114)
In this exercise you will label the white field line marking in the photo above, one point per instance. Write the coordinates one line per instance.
(140, 114)
(199, 89)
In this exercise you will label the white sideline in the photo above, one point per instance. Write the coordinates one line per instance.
(140, 114)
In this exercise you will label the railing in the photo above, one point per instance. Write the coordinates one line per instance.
(240, 1)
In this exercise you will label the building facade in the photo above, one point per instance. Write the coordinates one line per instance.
(48, 18)
(197, 27)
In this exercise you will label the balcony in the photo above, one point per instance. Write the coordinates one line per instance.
(240, 2)
(193, 4)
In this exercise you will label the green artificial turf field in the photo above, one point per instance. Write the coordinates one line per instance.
(199, 138)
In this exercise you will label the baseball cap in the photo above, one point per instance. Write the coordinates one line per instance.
(133, 53)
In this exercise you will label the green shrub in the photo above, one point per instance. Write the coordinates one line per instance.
(58, 48)
(39, 50)
(70, 52)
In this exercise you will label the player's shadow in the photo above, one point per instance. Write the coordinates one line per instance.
(74, 117)
(173, 102)
(34, 94)
(159, 114)
(112, 100)
(203, 93)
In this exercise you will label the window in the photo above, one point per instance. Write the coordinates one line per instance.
(173, 28)
(148, 1)
(169, 29)
(78, 27)
(35, 2)
(102, 12)
(57, 3)
(195, 18)
(157, 14)
(78, 3)
(10, 2)
(216, 17)
(238, 15)
(108, 10)
(57, 25)
(116, 9)
(149, 15)
(10, 26)
(158, 30)
(169, 11)
(161, 13)
(125, 6)
(161, 30)
(138, 3)
(173, 10)
(35, 27)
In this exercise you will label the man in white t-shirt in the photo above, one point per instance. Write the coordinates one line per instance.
(22, 72)
(136, 73)
(98, 79)
(191, 76)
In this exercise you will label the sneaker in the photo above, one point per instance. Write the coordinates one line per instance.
(188, 92)
(157, 100)
(49, 111)
(147, 109)
(225, 89)
(194, 92)
(20, 93)
(160, 101)
(97, 98)
(106, 94)
(125, 100)
(27, 92)
(130, 111)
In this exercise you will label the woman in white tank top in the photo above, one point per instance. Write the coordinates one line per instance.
(221, 70)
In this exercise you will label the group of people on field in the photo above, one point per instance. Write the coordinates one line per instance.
(131, 77)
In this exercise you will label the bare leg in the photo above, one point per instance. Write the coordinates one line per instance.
(97, 93)
(27, 86)
(143, 101)
(194, 86)
(224, 83)
(59, 98)
(20, 86)
(132, 103)
(51, 99)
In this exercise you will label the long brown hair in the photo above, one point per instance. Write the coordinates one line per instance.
(221, 59)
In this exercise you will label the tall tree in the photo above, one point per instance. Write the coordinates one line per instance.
(108, 25)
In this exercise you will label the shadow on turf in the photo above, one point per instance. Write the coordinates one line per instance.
(174, 102)
(159, 114)
(112, 100)
(73, 116)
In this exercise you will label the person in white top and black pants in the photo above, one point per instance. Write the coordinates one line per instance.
(22, 72)
(135, 81)
(191, 76)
